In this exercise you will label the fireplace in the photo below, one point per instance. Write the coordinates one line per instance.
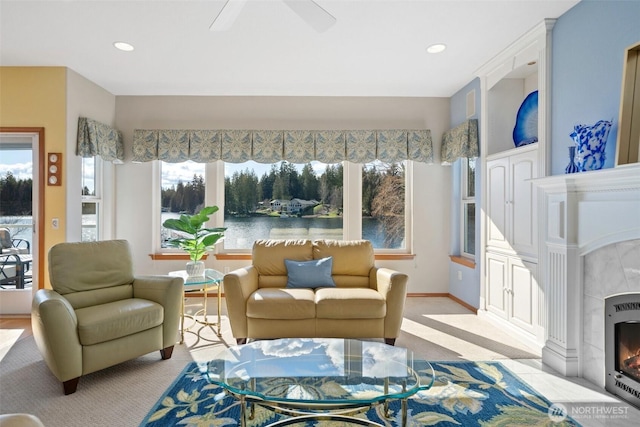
(591, 250)
(622, 346)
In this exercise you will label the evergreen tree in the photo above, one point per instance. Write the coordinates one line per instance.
(266, 183)
(230, 205)
(371, 179)
(246, 187)
(310, 183)
(15, 196)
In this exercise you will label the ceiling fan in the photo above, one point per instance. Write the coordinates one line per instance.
(310, 11)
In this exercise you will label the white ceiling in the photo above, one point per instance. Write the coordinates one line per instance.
(376, 47)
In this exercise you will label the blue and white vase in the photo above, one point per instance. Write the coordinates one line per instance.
(572, 167)
(590, 143)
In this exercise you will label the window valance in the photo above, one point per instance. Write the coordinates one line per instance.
(270, 146)
(97, 139)
(461, 141)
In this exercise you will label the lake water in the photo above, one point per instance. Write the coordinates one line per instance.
(20, 227)
(242, 232)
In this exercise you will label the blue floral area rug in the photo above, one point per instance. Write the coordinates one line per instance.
(464, 394)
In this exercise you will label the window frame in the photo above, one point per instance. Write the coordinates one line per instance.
(465, 201)
(97, 198)
(352, 205)
(156, 199)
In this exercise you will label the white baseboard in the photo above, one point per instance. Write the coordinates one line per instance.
(523, 336)
(15, 301)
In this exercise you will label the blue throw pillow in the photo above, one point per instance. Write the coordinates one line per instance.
(309, 274)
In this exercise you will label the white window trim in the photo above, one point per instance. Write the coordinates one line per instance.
(98, 198)
(464, 201)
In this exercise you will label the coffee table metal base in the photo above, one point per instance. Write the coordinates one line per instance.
(334, 412)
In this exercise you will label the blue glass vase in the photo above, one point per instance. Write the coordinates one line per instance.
(572, 167)
(590, 142)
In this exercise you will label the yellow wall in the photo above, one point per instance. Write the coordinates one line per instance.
(36, 97)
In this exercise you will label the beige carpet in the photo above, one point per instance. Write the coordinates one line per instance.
(434, 328)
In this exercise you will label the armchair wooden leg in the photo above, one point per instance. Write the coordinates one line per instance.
(241, 341)
(70, 386)
(390, 341)
(166, 353)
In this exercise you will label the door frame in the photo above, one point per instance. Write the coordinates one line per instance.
(39, 226)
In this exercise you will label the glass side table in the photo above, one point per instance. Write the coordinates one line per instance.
(211, 281)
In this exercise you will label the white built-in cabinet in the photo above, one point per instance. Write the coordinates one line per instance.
(512, 202)
(511, 287)
(511, 250)
(512, 290)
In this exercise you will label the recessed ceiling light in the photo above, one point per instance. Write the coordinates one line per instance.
(436, 48)
(123, 46)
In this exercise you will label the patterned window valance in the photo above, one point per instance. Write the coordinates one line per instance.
(98, 139)
(461, 141)
(270, 146)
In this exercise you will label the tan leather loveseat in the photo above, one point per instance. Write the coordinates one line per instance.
(367, 301)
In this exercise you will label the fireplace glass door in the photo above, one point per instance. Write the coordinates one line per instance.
(628, 349)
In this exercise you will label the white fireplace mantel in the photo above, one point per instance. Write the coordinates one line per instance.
(581, 212)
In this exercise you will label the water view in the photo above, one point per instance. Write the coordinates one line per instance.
(20, 227)
(243, 231)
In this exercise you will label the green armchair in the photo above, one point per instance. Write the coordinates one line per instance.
(98, 314)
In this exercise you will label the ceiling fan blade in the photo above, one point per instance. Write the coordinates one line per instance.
(227, 15)
(318, 18)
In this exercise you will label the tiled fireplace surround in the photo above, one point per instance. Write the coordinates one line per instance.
(591, 236)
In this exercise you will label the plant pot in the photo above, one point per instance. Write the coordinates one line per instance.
(195, 268)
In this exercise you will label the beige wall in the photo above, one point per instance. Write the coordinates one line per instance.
(86, 99)
(428, 272)
(36, 97)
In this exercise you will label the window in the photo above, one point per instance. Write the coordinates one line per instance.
(91, 199)
(182, 190)
(291, 201)
(383, 204)
(282, 201)
(468, 204)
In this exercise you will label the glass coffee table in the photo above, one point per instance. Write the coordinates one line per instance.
(210, 281)
(318, 379)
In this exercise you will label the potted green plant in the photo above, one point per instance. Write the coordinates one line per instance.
(195, 238)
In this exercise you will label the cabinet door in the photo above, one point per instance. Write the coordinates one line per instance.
(497, 284)
(523, 293)
(523, 225)
(497, 197)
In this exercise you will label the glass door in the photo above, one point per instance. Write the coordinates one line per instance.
(18, 216)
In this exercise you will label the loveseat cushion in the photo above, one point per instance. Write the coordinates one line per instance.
(117, 319)
(272, 303)
(350, 257)
(349, 303)
(269, 255)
